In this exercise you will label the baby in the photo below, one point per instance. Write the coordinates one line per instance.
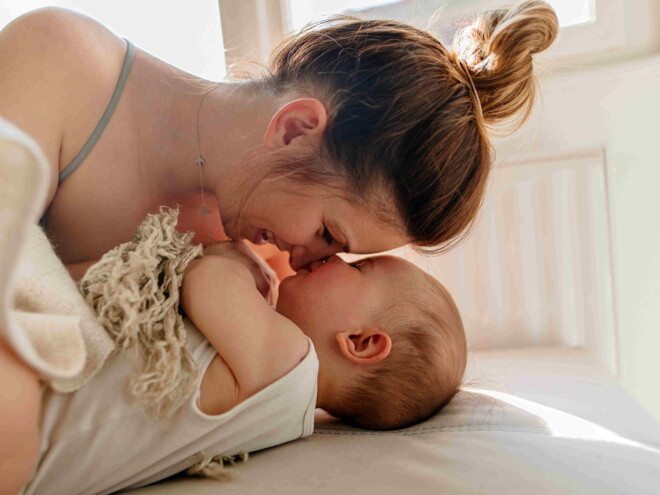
(388, 337)
(378, 343)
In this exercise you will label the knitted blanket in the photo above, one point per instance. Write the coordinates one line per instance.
(42, 314)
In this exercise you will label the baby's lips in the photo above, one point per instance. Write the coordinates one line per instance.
(314, 265)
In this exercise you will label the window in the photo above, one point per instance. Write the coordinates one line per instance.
(569, 12)
(574, 12)
(588, 26)
(304, 11)
(184, 34)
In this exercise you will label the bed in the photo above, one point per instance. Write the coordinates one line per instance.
(544, 420)
(541, 410)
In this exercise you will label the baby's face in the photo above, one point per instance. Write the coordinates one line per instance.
(336, 296)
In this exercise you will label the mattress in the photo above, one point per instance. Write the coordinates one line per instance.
(531, 420)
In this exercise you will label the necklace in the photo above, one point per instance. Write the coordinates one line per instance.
(200, 162)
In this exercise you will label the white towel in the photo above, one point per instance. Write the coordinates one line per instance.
(42, 314)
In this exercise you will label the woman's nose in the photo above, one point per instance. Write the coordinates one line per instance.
(301, 257)
(298, 258)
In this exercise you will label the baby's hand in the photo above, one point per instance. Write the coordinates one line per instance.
(264, 276)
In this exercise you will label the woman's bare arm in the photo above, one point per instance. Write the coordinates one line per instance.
(36, 80)
(20, 397)
(53, 63)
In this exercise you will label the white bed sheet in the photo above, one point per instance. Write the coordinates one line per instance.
(547, 421)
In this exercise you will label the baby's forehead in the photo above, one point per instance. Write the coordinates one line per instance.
(404, 274)
(392, 262)
(397, 270)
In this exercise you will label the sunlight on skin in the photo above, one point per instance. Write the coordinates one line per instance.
(278, 260)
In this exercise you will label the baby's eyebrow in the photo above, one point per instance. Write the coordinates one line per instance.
(361, 261)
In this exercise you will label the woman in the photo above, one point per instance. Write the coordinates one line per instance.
(365, 137)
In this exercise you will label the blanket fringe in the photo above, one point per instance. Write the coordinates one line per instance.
(134, 291)
(218, 467)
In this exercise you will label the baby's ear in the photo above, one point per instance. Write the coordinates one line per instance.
(364, 346)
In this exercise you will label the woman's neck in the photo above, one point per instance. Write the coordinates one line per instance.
(233, 119)
(165, 109)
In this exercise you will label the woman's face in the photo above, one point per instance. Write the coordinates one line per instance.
(312, 223)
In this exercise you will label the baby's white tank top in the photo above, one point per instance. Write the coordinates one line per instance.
(95, 441)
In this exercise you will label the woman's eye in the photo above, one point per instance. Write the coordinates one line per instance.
(327, 237)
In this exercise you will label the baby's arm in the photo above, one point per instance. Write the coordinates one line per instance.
(264, 275)
(220, 297)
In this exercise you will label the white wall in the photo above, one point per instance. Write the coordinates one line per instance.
(618, 107)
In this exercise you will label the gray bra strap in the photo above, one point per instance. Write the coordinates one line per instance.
(105, 118)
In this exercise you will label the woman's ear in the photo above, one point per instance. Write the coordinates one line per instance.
(304, 117)
(364, 346)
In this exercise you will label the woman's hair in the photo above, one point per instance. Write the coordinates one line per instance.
(424, 369)
(408, 118)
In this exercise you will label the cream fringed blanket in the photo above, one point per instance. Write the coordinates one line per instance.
(134, 291)
(42, 315)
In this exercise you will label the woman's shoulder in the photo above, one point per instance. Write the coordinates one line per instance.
(55, 61)
(54, 51)
(57, 32)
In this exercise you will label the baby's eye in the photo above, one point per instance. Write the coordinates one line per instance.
(358, 264)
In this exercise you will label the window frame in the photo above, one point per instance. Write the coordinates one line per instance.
(606, 34)
(622, 28)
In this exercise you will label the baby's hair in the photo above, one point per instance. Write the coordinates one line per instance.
(423, 371)
(408, 118)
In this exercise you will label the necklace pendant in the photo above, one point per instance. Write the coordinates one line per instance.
(200, 161)
(204, 211)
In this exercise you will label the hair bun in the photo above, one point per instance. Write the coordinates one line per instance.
(497, 49)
